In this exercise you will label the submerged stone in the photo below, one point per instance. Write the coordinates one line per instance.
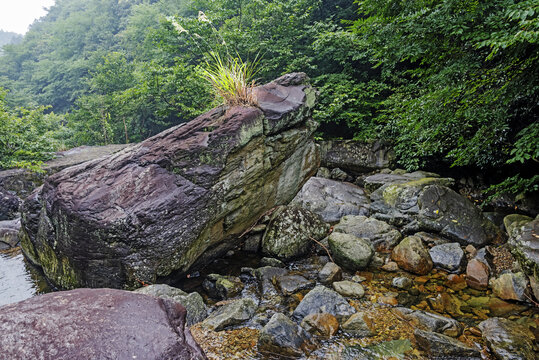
(282, 336)
(508, 340)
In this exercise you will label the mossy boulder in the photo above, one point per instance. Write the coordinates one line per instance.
(291, 231)
(350, 251)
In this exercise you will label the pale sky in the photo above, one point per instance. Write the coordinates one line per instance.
(17, 15)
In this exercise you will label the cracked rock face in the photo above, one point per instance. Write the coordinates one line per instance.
(96, 324)
(159, 206)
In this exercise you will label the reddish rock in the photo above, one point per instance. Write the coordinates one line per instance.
(390, 267)
(456, 282)
(96, 324)
(477, 274)
(323, 324)
(412, 256)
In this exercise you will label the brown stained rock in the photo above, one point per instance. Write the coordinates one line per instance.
(412, 256)
(510, 286)
(330, 272)
(180, 197)
(390, 267)
(477, 274)
(456, 282)
(96, 324)
(323, 324)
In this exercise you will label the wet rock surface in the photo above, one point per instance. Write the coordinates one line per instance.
(234, 313)
(282, 336)
(96, 324)
(508, 340)
(174, 197)
(323, 300)
(443, 346)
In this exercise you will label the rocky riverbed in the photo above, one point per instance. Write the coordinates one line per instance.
(233, 244)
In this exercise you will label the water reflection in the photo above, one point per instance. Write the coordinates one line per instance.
(18, 279)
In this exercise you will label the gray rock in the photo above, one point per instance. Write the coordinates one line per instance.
(323, 172)
(9, 205)
(332, 199)
(402, 282)
(290, 284)
(357, 326)
(349, 251)
(376, 181)
(290, 232)
(266, 276)
(412, 256)
(510, 286)
(222, 287)
(443, 346)
(330, 272)
(349, 289)
(283, 337)
(514, 222)
(524, 245)
(96, 324)
(9, 233)
(339, 175)
(426, 205)
(454, 216)
(382, 235)
(356, 156)
(432, 322)
(449, 257)
(193, 302)
(176, 200)
(235, 313)
(272, 262)
(323, 300)
(508, 340)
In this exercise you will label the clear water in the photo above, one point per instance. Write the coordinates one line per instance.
(18, 279)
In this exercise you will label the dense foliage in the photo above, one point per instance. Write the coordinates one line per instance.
(28, 136)
(449, 82)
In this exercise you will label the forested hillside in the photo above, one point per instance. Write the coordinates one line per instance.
(448, 82)
(7, 38)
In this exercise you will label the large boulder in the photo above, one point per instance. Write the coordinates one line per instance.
(427, 205)
(332, 199)
(355, 156)
(180, 197)
(291, 231)
(96, 324)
